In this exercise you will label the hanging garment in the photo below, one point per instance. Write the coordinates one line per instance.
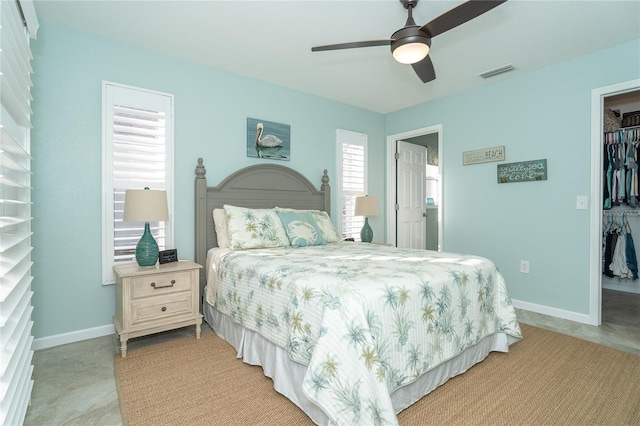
(607, 200)
(634, 183)
(622, 187)
(615, 184)
(610, 243)
(632, 169)
(606, 190)
(630, 251)
(619, 263)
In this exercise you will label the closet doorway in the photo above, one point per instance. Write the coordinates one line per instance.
(615, 299)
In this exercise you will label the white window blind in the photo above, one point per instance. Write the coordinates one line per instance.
(352, 179)
(16, 26)
(138, 153)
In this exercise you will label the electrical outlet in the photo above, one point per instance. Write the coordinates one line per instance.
(524, 266)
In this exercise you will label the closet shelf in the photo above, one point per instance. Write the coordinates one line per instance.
(621, 212)
(622, 129)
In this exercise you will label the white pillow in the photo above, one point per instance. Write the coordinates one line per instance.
(220, 223)
(254, 228)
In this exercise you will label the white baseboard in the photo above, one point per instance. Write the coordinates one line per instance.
(554, 312)
(71, 337)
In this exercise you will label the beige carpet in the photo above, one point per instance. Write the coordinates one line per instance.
(546, 379)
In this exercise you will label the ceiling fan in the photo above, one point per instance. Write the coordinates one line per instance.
(411, 44)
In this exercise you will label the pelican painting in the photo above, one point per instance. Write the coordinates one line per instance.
(267, 139)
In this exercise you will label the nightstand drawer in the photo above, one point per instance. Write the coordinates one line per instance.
(157, 308)
(160, 284)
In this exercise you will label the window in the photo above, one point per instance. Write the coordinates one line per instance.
(352, 180)
(137, 153)
(18, 24)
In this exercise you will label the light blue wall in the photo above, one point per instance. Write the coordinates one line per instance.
(542, 114)
(211, 108)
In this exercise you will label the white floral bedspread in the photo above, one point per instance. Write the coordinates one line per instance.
(365, 319)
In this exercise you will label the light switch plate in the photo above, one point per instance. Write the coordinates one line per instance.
(581, 202)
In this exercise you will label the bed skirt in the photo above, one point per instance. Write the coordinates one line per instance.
(288, 375)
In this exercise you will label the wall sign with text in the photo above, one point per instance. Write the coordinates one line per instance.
(484, 155)
(523, 171)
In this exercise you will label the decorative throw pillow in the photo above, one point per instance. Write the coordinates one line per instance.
(220, 223)
(301, 229)
(254, 228)
(327, 229)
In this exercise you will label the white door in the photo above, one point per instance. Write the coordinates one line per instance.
(411, 211)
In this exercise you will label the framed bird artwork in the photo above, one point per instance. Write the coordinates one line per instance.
(266, 139)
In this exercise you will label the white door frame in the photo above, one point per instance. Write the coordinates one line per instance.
(391, 179)
(595, 237)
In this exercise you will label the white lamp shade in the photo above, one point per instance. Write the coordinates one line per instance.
(366, 206)
(145, 205)
(411, 53)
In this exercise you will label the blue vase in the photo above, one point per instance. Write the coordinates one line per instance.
(147, 248)
(366, 234)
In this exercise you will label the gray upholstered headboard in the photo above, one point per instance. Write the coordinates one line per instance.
(259, 187)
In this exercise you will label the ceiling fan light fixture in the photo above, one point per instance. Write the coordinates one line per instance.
(411, 53)
(410, 45)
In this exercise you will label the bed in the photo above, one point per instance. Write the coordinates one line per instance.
(352, 333)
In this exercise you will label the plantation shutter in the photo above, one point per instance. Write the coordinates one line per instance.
(138, 154)
(17, 23)
(352, 149)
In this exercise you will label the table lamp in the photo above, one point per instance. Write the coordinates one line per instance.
(366, 206)
(145, 205)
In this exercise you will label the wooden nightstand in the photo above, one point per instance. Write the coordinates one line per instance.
(156, 298)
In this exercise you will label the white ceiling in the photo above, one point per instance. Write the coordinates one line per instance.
(271, 40)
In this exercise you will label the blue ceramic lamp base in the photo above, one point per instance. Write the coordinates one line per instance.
(366, 234)
(147, 248)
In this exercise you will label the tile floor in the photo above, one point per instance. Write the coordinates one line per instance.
(74, 383)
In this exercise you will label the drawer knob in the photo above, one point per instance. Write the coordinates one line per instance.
(154, 285)
(164, 308)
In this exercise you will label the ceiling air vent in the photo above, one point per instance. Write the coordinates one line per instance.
(496, 71)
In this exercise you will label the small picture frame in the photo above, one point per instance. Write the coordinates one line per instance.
(269, 140)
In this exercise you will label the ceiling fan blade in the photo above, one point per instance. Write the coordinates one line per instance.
(425, 69)
(459, 15)
(352, 45)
